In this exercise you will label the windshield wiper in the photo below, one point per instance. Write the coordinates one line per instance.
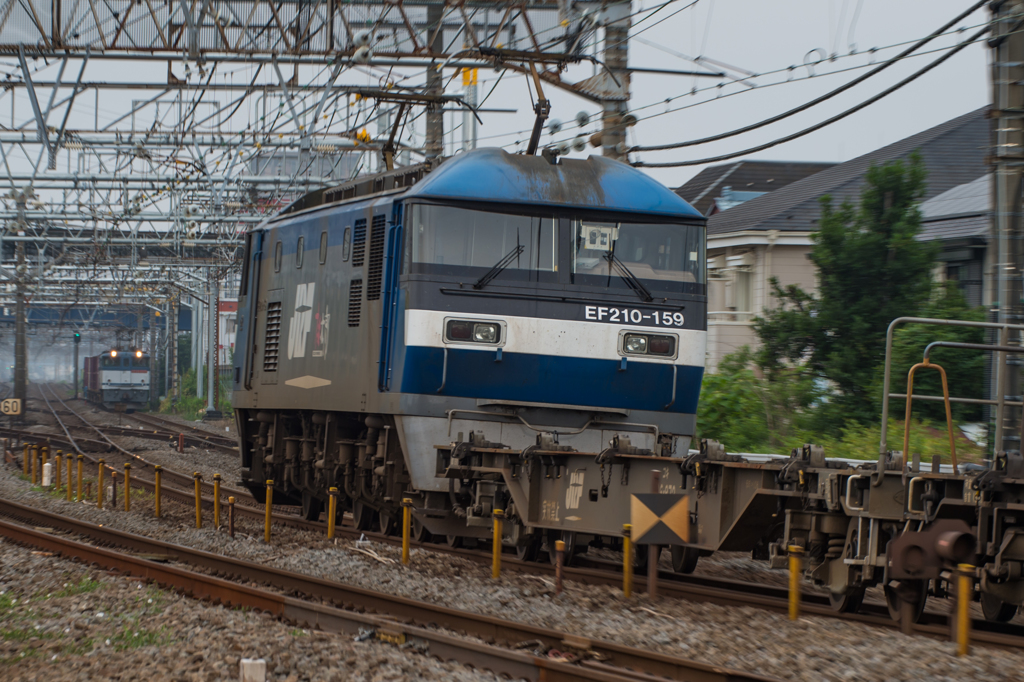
(500, 265)
(631, 281)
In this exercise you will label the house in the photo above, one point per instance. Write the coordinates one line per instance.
(770, 235)
(732, 181)
(960, 219)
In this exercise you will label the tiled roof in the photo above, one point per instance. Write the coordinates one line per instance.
(953, 152)
(744, 176)
(962, 227)
(972, 197)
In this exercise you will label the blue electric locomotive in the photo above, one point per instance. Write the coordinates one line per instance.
(499, 332)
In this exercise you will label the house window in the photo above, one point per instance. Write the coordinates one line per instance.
(744, 291)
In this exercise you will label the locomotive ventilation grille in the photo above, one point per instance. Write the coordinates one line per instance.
(359, 243)
(273, 339)
(376, 271)
(355, 302)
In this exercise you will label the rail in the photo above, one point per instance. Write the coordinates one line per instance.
(403, 616)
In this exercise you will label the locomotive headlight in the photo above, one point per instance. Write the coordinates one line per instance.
(485, 333)
(470, 331)
(635, 343)
(113, 353)
(138, 353)
(662, 345)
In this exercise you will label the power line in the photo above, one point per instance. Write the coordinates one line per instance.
(827, 122)
(827, 96)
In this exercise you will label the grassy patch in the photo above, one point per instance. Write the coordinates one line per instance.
(23, 634)
(132, 638)
(84, 585)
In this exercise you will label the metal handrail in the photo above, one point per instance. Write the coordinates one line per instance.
(910, 401)
(849, 487)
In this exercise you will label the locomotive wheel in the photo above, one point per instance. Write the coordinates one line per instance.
(529, 551)
(387, 523)
(454, 541)
(915, 590)
(997, 610)
(566, 536)
(310, 506)
(420, 532)
(362, 516)
(684, 559)
(848, 602)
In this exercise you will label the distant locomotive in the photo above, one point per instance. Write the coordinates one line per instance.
(502, 332)
(119, 378)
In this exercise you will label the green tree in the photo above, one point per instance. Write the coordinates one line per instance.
(871, 269)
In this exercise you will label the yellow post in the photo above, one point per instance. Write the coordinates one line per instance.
(57, 478)
(156, 488)
(43, 453)
(99, 483)
(559, 561)
(81, 463)
(70, 487)
(24, 459)
(496, 546)
(406, 528)
(35, 463)
(627, 560)
(127, 486)
(332, 511)
(963, 609)
(270, 502)
(795, 568)
(199, 499)
(216, 501)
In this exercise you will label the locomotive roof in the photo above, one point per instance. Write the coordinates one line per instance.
(494, 175)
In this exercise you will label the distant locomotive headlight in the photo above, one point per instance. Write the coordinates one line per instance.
(113, 353)
(485, 333)
(635, 343)
(138, 353)
(472, 332)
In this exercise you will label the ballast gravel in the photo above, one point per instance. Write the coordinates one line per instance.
(812, 648)
(63, 621)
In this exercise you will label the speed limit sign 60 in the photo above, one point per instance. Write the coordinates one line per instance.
(10, 406)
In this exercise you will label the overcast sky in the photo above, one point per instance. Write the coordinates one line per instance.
(752, 36)
(762, 37)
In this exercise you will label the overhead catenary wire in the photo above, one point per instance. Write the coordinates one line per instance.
(818, 100)
(825, 123)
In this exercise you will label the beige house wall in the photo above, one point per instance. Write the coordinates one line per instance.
(740, 268)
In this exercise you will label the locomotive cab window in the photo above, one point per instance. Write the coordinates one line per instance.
(278, 255)
(663, 256)
(107, 361)
(323, 247)
(140, 363)
(300, 251)
(446, 240)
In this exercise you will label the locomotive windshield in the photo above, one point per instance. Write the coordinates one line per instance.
(657, 253)
(484, 245)
(448, 240)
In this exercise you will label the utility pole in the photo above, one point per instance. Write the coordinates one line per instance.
(434, 144)
(173, 388)
(469, 86)
(78, 341)
(20, 350)
(615, 95)
(1007, 44)
(212, 369)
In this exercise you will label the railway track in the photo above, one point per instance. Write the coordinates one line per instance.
(196, 433)
(725, 592)
(397, 619)
(169, 475)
